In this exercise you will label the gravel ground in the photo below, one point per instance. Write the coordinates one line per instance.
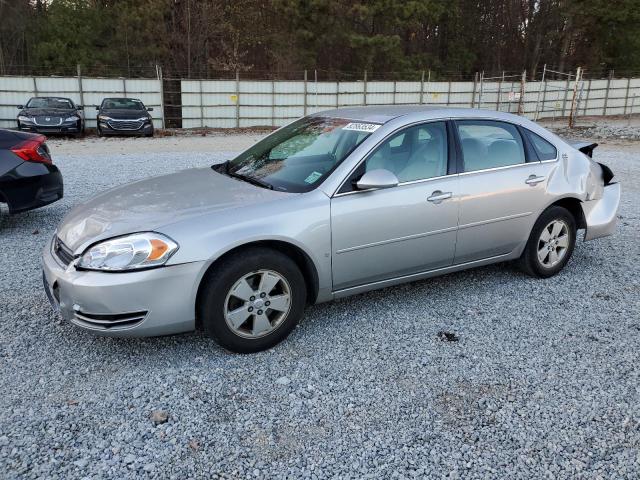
(542, 382)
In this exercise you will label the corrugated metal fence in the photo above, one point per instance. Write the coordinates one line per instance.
(239, 102)
(88, 92)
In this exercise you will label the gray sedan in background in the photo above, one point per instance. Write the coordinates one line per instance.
(334, 204)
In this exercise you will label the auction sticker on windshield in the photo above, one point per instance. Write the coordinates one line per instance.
(362, 127)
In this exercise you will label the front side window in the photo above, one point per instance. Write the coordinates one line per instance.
(300, 156)
(416, 153)
(544, 149)
(489, 144)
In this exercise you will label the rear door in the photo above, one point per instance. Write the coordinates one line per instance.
(503, 188)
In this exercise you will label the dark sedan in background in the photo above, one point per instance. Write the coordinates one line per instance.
(28, 177)
(124, 116)
(51, 115)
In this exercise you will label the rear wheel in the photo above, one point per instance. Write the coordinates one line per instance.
(550, 244)
(253, 300)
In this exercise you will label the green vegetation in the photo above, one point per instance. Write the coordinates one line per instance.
(390, 38)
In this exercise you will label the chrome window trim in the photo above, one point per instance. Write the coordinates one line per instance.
(402, 184)
(366, 156)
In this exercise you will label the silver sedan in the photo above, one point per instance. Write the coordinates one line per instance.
(334, 204)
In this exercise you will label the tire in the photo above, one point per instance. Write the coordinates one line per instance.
(99, 132)
(554, 225)
(150, 134)
(257, 326)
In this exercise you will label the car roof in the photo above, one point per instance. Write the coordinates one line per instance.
(384, 114)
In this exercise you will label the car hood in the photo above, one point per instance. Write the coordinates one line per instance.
(149, 204)
(124, 114)
(50, 112)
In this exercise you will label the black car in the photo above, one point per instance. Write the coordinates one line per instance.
(124, 116)
(51, 115)
(28, 177)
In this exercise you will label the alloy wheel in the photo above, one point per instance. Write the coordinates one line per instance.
(257, 304)
(553, 243)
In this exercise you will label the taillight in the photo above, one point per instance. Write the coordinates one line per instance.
(33, 150)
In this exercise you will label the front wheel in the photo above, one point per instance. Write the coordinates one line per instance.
(251, 301)
(550, 244)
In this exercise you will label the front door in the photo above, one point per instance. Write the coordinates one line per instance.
(410, 228)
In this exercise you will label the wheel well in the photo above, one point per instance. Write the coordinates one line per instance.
(302, 260)
(575, 208)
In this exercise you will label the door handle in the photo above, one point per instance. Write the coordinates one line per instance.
(438, 196)
(533, 180)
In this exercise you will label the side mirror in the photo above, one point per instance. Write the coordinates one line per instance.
(20, 107)
(97, 107)
(377, 179)
(80, 107)
(150, 109)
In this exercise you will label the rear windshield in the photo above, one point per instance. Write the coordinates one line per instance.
(122, 104)
(300, 156)
(50, 102)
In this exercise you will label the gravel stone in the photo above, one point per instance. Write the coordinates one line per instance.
(525, 393)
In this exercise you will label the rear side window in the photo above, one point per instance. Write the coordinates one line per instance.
(544, 149)
(488, 144)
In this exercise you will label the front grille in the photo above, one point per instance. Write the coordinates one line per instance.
(48, 121)
(125, 124)
(64, 253)
(108, 321)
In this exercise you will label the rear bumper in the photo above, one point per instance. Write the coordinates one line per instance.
(158, 301)
(601, 215)
(32, 185)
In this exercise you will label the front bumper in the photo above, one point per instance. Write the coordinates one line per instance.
(64, 129)
(106, 129)
(146, 303)
(601, 215)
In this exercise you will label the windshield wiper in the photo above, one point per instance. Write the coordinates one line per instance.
(246, 178)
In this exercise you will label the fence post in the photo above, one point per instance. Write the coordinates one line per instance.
(523, 86)
(500, 82)
(80, 84)
(273, 102)
(160, 80)
(35, 87)
(481, 89)
(422, 88)
(606, 95)
(626, 96)
(394, 92)
(544, 73)
(473, 95)
(305, 94)
(574, 98)
(428, 84)
(449, 94)
(315, 75)
(586, 100)
(364, 88)
(237, 99)
(337, 93)
(201, 104)
(124, 86)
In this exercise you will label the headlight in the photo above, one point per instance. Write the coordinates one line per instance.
(104, 118)
(22, 118)
(143, 119)
(72, 119)
(131, 252)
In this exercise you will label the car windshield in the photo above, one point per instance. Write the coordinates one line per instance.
(50, 102)
(122, 104)
(300, 156)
